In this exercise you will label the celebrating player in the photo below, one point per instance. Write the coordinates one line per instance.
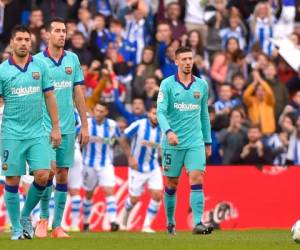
(183, 117)
(67, 78)
(98, 169)
(24, 82)
(143, 165)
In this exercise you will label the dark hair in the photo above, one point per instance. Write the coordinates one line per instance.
(115, 22)
(164, 22)
(225, 84)
(54, 20)
(101, 103)
(153, 105)
(254, 126)
(181, 50)
(211, 109)
(236, 75)
(199, 47)
(100, 15)
(36, 9)
(240, 110)
(78, 33)
(19, 28)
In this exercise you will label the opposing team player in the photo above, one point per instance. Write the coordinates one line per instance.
(183, 117)
(144, 168)
(24, 83)
(67, 78)
(98, 169)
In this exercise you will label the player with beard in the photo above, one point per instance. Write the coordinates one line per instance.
(183, 117)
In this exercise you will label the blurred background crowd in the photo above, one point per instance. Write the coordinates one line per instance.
(126, 48)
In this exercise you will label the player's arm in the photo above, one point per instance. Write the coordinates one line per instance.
(83, 135)
(162, 109)
(205, 122)
(55, 136)
(129, 133)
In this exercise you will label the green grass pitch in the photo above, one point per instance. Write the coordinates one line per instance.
(219, 240)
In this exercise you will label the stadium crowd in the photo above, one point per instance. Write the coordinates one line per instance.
(126, 47)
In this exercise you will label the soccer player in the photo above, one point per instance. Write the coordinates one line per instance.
(144, 168)
(24, 83)
(98, 168)
(67, 79)
(184, 119)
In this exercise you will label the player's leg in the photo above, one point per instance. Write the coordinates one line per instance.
(13, 166)
(107, 181)
(64, 161)
(195, 165)
(172, 165)
(90, 182)
(136, 183)
(74, 185)
(155, 185)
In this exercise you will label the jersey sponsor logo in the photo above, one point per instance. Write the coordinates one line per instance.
(150, 144)
(186, 106)
(4, 166)
(160, 96)
(23, 91)
(62, 85)
(197, 94)
(68, 70)
(36, 75)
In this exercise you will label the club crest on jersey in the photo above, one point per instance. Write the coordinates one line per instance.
(166, 168)
(68, 70)
(4, 166)
(197, 94)
(36, 75)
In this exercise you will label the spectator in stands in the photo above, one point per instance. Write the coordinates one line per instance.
(86, 24)
(255, 152)
(147, 68)
(163, 37)
(172, 14)
(100, 37)
(233, 138)
(236, 29)
(293, 107)
(238, 86)
(293, 154)
(138, 29)
(215, 157)
(260, 101)
(79, 47)
(293, 84)
(151, 90)
(216, 19)
(35, 24)
(91, 77)
(194, 41)
(279, 90)
(261, 26)
(221, 69)
(279, 142)
(138, 106)
(167, 62)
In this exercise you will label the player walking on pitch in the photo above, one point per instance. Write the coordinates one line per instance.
(67, 79)
(24, 82)
(183, 117)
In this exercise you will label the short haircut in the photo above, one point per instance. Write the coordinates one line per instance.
(153, 105)
(115, 22)
(100, 15)
(181, 50)
(103, 104)
(165, 23)
(149, 47)
(225, 84)
(238, 75)
(54, 20)
(254, 126)
(19, 28)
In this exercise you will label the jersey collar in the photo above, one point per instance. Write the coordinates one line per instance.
(58, 63)
(183, 85)
(11, 61)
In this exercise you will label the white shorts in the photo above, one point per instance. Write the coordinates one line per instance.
(138, 180)
(75, 172)
(104, 177)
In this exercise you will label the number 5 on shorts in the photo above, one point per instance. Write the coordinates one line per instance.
(168, 159)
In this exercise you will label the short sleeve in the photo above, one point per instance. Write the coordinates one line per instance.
(132, 129)
(47, 84)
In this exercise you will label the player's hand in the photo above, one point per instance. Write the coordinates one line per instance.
(208, 150)
(172, 138)
(132, 162)
(55, 138)
(83, 137)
